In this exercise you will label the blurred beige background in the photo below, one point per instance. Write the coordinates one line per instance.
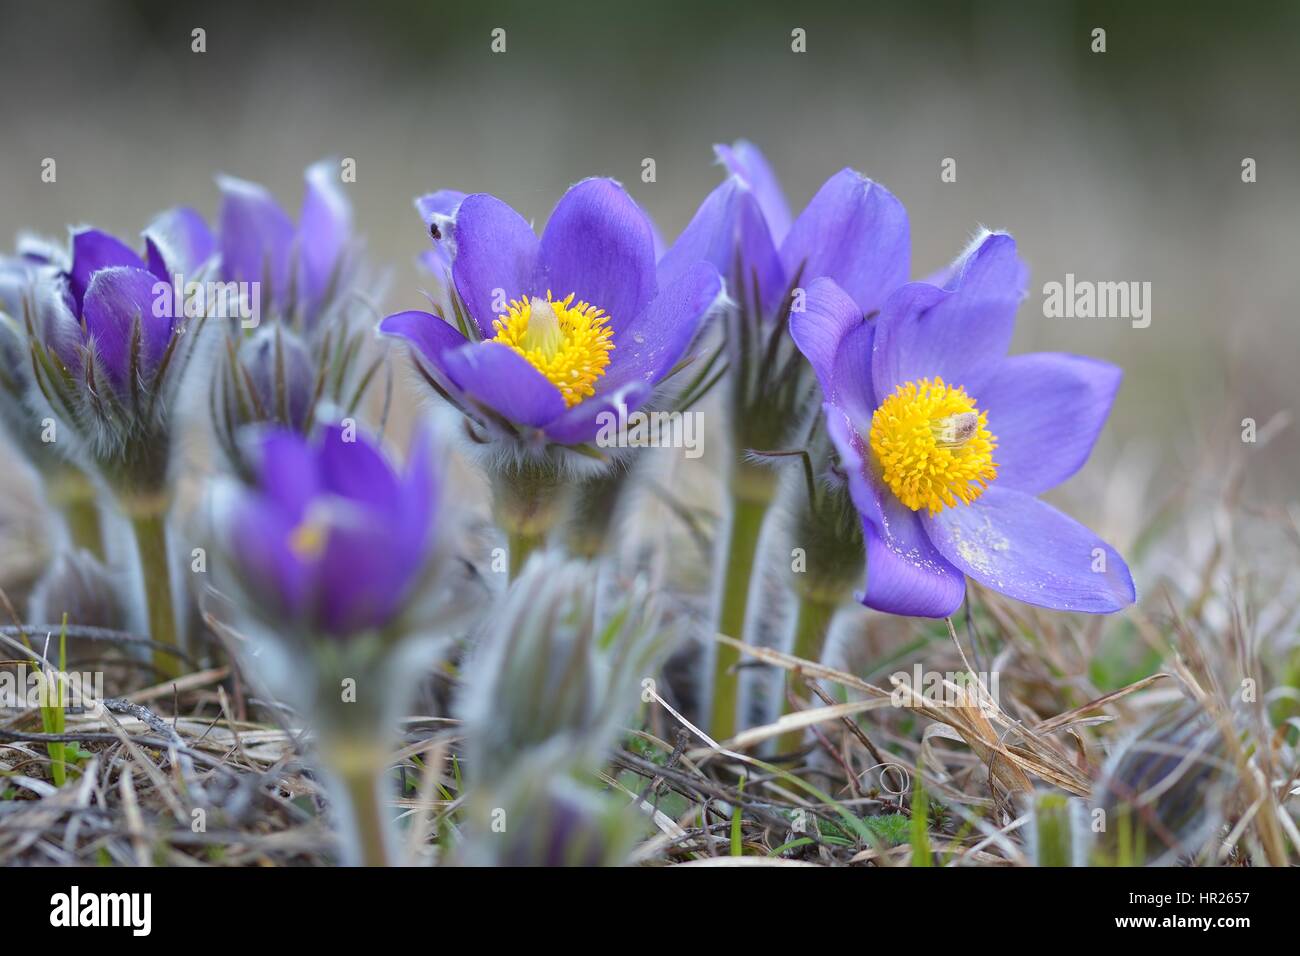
(1122, 166)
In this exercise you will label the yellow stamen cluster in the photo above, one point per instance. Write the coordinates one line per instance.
(568, 343)
(307, 540)
(933, 445)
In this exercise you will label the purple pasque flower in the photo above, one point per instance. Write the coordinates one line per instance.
(301, 269)
(438, 209)
(19, 275)
(311, 351)
(853, 231)
(109, 343)
(558, 330)
(123, 305)
(269, 376)
(331, 539)
(946, 441)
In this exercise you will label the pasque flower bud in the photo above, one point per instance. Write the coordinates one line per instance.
(1162, 788)
(553, 676)
(77, 585)
(110, 354)
(302, 347)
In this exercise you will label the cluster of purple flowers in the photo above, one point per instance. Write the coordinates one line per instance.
(939, 442)
(548, 333)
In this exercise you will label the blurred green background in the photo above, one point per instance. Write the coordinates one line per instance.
(1117, 166)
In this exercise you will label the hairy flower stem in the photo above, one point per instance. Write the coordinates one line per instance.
(358, 803)
(527, 501)
(74, 495)
(751, 495)
(370, 822)
(149, 522)
(824, 529)
(812, 624)
(521, 545)
(592, 513)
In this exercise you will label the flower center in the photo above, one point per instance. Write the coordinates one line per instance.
(933, 445)
(568, 343)
(308, 538)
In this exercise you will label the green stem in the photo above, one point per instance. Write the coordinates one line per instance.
(369, 818)
(592, 510)
(75, 496)
(812, 624)
(82, 516)
(527, 501)
(750, 502)
(521, 544)
(150, 527)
